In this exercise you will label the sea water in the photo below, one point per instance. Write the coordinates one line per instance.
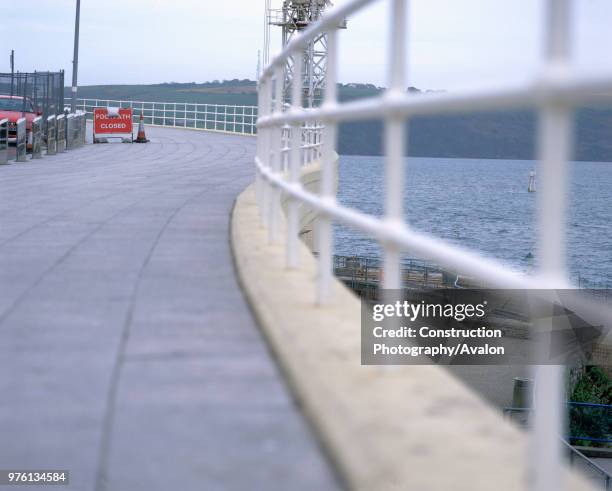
(484, 205)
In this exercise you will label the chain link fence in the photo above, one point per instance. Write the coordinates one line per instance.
(44, 89)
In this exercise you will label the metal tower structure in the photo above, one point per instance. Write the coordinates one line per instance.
(295, 16)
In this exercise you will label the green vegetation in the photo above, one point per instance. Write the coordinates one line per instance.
(594, 386)
(236, 92)
(504, 135)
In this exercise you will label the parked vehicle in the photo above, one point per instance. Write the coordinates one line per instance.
(13, 107)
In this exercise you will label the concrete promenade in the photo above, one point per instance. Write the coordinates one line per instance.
(128, 355)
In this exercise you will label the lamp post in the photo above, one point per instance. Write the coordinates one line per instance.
(75, 58)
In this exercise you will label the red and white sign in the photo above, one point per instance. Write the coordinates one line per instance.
(110, 124)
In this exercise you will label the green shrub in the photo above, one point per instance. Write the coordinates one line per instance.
(595, 387)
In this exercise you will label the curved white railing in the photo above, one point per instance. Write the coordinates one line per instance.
(210, 117)
(280, 147)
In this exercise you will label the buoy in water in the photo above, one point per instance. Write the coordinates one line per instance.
(531, 187)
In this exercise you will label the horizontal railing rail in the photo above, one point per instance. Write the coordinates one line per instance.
(599, 421)
(602, 475)
(211, 117)
(281, 152)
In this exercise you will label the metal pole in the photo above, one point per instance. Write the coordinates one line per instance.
(555, 142)
(75, 60)
(12, 69)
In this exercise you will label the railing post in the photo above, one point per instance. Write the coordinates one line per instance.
(261, 184)
(276, 156)
(36, 137)
(294, 163)
(325, 235)
(394, 144)
(266, 139)
(3, 141)
(51, 136)
(554, 142)
(21, 141)
(258, 178)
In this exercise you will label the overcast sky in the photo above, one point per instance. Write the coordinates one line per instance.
(453, 44)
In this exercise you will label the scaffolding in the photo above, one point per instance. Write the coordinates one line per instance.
(292, 18)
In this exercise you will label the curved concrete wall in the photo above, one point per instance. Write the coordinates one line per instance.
(310, 177)
(385, 428)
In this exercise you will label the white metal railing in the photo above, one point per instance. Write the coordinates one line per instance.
(210, 117)
(280, 147)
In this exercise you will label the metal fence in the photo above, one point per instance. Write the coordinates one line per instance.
(365, 275)
(592, 471)
(590, 423)
(44, 89)
(210, 117)
(554, 94)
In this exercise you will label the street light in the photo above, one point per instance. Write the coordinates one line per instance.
(75, 58)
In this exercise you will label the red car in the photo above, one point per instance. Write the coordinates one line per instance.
(13, 107)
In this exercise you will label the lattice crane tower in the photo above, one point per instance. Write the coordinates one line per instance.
(293, 17)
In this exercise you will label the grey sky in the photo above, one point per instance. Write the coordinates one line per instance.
(452, 44)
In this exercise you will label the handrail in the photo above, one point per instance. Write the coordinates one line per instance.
(590, 404)
(600, 470)
(528, 410)
(554, 94)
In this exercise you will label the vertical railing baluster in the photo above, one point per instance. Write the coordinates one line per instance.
(276, 155)
(554, 141)
(259, 180)
(325, 236)
(394, 143)
(294, 162)
(267, 149)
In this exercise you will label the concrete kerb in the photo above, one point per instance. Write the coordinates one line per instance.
(385, 428)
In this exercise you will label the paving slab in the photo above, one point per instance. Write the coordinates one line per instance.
(128, 355)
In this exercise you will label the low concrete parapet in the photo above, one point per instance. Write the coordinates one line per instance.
(70, 130)
(384, 427)
(51, 136)
(37, 138)
(61, 133)
(21, 141)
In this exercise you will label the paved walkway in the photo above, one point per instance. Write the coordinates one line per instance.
(127, 353)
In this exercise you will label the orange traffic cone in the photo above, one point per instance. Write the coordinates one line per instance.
(141, 137)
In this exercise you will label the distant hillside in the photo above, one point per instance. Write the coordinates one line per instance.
(508, 135)
(238, 92)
